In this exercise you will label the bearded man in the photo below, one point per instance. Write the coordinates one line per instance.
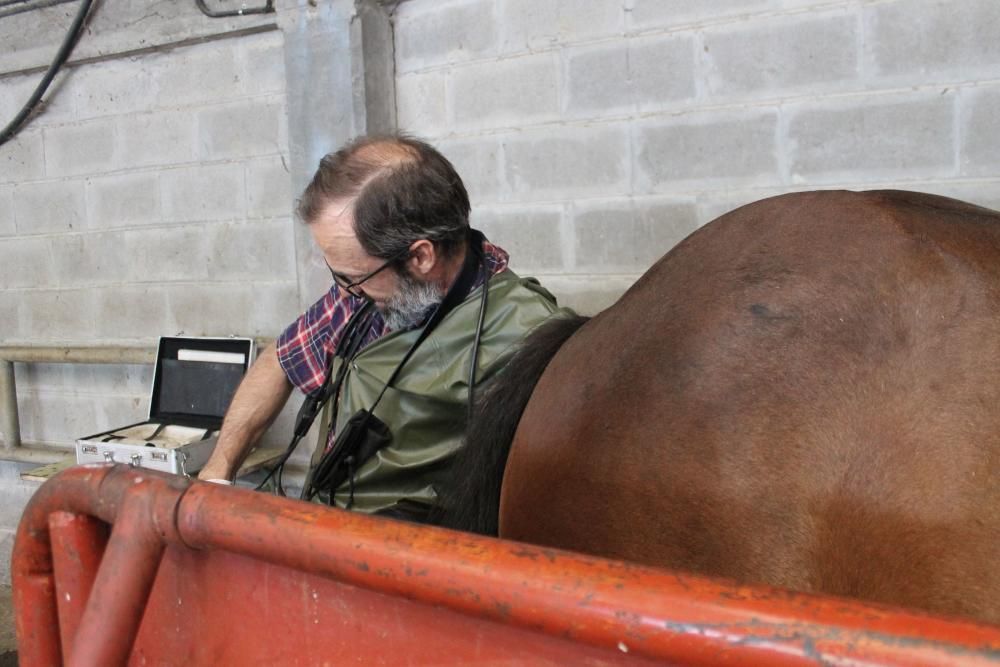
(403, 337)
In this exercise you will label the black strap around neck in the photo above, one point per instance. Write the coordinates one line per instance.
(474, 259)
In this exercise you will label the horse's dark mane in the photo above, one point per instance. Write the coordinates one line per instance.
(470, 497)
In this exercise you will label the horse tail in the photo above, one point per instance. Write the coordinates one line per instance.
(470, 498)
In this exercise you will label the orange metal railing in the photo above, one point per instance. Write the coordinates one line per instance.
(114, 565)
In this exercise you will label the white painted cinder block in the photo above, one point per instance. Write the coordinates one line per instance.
(22, 158)
(630, 75)
(269, 187)
(880, 137)
(275, 306)
(803, 52)
(123, 199)
(222, 309)
(85, 148)
(166, 254)
(260, 61)
(706, 150)
(527, 25)
(562, 162)
(195, 75)
(662, 70)
(50, 206)
(160, 138)
(7, 227)
(10, 320)
(645, 14)
(979, 127)
(629, 235)
(246, 129)
(262, 250)
(209, 192)
(598, 79)
(56, 106)
(425, 110)
(512, 92)
(25, 262)
(132, 312)
(533, 235)
(87, 259)
(930, 41)
(477, 161)
(60, 417)
(429, 34)
(114, 379)
(65, 314)
(235, 308)
(114, 87)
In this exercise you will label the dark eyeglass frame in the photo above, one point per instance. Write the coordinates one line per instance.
(351, 288)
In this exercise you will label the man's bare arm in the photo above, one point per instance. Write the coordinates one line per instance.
(256, 404)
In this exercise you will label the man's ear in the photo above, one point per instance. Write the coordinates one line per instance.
(423, 257)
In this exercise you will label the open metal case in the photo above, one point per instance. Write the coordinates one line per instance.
(193, 383)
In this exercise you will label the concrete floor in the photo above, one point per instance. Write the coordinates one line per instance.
(7, 645)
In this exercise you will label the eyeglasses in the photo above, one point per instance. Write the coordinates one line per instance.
(344, 283)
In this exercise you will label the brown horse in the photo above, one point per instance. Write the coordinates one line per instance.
(804, 393)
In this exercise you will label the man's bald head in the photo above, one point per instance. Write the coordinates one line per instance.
(399, 190)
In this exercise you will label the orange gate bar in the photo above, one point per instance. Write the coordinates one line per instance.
(194, 573)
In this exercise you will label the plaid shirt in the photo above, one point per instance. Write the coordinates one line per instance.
(305, 348)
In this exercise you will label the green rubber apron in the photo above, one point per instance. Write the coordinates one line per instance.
(426, 406)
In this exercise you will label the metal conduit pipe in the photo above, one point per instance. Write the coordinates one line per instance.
(10, 424)
(97, 354)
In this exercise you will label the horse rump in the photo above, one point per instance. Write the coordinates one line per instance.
(470, 496)
(801, 394)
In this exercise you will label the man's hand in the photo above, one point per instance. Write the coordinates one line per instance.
(216, 472)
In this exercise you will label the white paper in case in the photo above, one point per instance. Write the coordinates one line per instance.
(208, 355)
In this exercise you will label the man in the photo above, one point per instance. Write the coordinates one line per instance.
(390, 216)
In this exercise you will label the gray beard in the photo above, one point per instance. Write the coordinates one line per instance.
(410, 303)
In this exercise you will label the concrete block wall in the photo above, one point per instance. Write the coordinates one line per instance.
(595, 134)
(151, 197)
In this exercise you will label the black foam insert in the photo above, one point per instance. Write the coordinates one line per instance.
(196, 393)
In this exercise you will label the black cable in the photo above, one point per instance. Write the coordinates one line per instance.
(67, 48)
(279, 487)
(354, 333)
(279, 466)
(303, 422)
(268, 8)
(475, 341)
